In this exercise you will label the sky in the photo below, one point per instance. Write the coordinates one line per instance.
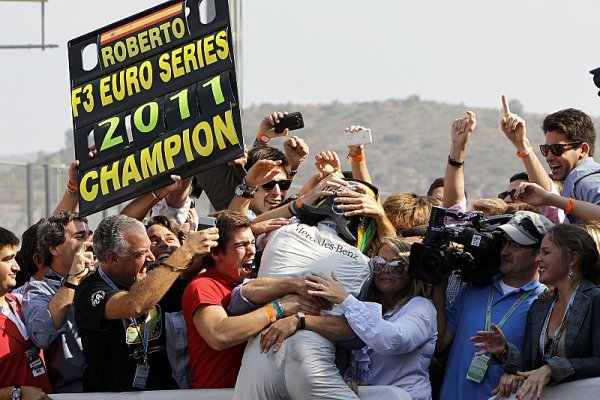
(317, 51)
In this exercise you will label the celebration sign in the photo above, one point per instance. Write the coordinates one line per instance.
(159, 98)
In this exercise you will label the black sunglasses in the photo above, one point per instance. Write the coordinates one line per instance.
(283, 184)
(503, 195)
(558, 148)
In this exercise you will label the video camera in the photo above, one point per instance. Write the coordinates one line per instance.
(478, 260)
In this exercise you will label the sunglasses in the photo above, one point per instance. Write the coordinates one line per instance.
(283, 184)
(558, 148)
(397, 268)
(503, 195)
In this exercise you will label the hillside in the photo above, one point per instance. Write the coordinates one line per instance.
(411, 142)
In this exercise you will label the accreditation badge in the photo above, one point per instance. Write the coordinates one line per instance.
(478, 368)
(141, 376)
(35, 362)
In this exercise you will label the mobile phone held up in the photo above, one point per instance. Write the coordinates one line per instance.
(291, 121)
(206, 222)
(362, 136)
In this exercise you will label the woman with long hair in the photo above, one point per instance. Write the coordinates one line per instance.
(397, 323)
(561, 335)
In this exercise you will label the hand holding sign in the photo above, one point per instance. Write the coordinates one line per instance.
(513, 127)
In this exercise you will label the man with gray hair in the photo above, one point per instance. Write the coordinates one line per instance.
(120, 323)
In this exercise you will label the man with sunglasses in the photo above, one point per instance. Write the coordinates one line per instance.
(504, 303)
(569, 147)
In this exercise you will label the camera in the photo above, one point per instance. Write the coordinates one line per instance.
(477, 261)
(291, 121)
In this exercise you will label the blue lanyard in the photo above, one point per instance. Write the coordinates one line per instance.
(547, 353)
(133, 321)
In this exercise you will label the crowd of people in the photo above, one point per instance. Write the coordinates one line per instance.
(312, 294)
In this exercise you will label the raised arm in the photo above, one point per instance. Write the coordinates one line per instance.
(70, 198)
(454, 178)
(145, 293)
(515, 131)
(260, 173)
(357, 157)
(139, 207)
(535, 195)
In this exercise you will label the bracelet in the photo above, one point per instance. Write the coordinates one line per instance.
(291, 208)
(71, 191)
(72, 186)
(263, 138)
(297, 206)
(156, 197)
(358, 158)
(269, 309)
(293, 172)
(570, 205)
(455, 163)
(64, 282)
(174, 268)
(278, 308)
(524, 153)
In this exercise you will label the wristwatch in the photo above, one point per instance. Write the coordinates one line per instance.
(244, 190)
(301, 320)
(16, 393)
(64, 282)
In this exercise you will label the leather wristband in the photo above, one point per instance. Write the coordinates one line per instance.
(455, 163)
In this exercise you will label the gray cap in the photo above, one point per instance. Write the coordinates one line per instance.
(527, 227)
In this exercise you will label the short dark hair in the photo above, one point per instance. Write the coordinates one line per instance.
(168, 223)
(437, 182)
(519, 176)
(51, 232)
(574, 124)
(227, 222)
(7, 238)
(25, 255)
(267, 153)
(571, 237)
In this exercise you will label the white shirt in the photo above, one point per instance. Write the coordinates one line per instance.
(398, 347)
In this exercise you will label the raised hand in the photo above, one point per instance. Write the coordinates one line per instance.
(267, 125)
(461, 130)
(296, 150)
(513, 127)
(199, 243)
(327, 162)
(262, 172)
(490, 342)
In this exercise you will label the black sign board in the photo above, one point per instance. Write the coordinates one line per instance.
(161, 99)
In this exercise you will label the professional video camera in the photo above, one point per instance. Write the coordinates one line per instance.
(476, 262)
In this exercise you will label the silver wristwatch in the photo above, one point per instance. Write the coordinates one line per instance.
(244, 190)
(16, 393)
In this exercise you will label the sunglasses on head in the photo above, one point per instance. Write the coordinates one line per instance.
(283, 184)
(397, 268)
(503, 195)
(558, 148)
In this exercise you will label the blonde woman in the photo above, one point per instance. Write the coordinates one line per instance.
(397, 324)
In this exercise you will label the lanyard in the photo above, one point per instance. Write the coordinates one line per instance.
(133, 321)
(547, 353)
(488, 314)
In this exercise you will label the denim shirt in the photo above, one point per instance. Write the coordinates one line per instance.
(63, 349)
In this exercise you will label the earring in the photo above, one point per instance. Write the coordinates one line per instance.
(570, 274)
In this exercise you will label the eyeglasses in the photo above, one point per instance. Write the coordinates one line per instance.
(516, 245)
(397, 268)
(283, 184)
(558, 148)
(503, 195)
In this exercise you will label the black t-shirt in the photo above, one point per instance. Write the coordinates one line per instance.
(113, 348)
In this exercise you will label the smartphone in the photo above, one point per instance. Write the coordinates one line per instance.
(358, 137)
(206, 222)
(291, 121)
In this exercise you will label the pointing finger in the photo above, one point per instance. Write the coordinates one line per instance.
(505, 105)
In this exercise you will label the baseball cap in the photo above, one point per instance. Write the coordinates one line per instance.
(527, 227)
